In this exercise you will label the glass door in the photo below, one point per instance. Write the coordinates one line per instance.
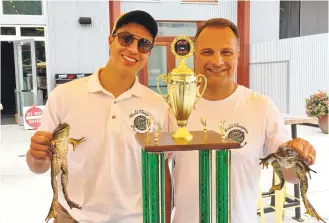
(157, 65)
(26, 76)
(161, 61)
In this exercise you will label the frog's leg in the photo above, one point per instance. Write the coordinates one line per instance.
(55, 168)
(76, 142)
(64, 181)
(307, 168)
(300, 171)
(278, 170)
(265, 160)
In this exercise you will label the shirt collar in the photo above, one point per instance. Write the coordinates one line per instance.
(95, 86)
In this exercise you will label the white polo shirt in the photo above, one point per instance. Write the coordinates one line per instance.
(105, 171)
(251, 119)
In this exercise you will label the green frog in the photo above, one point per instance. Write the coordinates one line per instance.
(287, 157)
(59, 148)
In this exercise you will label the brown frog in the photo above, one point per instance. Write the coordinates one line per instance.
(59, 147)
(288, 158)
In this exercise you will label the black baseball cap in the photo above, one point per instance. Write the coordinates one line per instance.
(140, 17)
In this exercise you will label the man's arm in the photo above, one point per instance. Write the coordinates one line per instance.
(168, 191)
(277, 134)
(49, 121)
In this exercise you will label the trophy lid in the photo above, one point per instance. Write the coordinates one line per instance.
(182, 47)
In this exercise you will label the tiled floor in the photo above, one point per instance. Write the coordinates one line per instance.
(25, 197)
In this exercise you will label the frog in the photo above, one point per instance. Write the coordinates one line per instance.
(287, 157)
(59, 147)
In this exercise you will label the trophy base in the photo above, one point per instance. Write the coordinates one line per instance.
(182, 135)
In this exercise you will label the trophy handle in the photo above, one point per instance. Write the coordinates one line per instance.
(199, 79)
(164, 78)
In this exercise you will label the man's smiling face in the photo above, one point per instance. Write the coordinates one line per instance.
(128, 58)
(216, 55)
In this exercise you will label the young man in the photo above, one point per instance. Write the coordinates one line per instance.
(250, 118)
(107, 109)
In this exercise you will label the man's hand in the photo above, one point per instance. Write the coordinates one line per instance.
(303, 148)
(39, 155)
(40, 144)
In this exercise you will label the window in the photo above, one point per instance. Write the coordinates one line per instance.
(18, 7)
(157, 65)
(289, 19)
(177, 28)
(8, 31)
(200, 1)
(297, 18)
(32, 31)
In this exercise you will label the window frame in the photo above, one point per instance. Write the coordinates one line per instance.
(31, 20)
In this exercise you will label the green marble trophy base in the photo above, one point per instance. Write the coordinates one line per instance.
(153, 173)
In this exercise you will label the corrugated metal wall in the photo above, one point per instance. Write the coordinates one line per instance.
(175, 10)
(308, 68)
(272, 79)
(73, 47)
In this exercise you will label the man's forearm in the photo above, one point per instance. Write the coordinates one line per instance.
(37, 166)
(168, 192)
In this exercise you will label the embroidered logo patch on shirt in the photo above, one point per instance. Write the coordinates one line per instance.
(237, 133)
(141, 121)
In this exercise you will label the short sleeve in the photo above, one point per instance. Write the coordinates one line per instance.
(51, 113)
(276, 132)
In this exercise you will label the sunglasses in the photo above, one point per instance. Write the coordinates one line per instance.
(127, 38)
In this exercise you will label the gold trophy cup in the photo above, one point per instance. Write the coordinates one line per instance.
(182, 87)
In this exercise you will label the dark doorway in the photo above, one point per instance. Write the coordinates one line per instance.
(8, 83)
(289, 19)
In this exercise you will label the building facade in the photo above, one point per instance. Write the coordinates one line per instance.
(288, 44)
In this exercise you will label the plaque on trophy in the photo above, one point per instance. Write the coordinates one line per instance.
(182, 96)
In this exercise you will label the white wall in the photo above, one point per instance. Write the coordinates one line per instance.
(264, 20)
(307, 71)
(72, 47)
(175, 10)
(265, 74)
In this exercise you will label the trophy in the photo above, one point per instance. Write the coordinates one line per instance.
(182, 87)
(182, 96)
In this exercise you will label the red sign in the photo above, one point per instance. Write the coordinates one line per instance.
(33, 116)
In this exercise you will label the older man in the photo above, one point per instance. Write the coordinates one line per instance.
(250, 118)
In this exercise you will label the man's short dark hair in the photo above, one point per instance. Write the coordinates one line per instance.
(218, 22)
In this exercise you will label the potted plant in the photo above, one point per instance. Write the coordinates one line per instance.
(317, 106)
